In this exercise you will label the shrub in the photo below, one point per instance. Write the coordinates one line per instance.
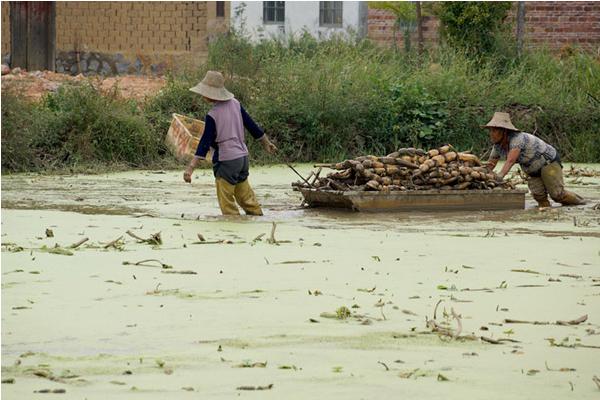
(75, 125)
(472, 25)
(323, 101)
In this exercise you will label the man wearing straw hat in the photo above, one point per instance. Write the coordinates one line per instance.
(537, 159)
(224, 132)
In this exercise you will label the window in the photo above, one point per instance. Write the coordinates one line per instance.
(220, 8)
(330, 13)
(273, 12)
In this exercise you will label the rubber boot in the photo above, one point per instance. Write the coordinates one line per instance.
(226, 197)
(543, 202)
(245, 197)
(571, 199)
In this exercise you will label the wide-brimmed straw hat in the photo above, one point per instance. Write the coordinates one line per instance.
(501, 120)
(213, 87)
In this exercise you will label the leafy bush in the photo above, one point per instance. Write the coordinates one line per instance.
(75, 125)
(19, 120)
(472, 25)
(322, 101)
(328, 100)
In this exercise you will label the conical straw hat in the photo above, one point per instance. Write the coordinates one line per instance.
(213, 87)
(501, 120)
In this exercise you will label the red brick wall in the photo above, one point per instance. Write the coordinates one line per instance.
(555, 24)
(381, 29)
(559, 23)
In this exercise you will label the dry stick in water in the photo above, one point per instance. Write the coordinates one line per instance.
(558, 369)
(182, 272)
(113, 243)
(436, 307)
(571, 276)
(381, 304)
(458, 321)
(144, 215)
(385, 366)
(153, 239)
(224, 241)
(490, 340)
(587, 346)
(498, 341)
(143, 263)
(56, 391)
(271, 239)
(516, 321)
(133, 235)
(435, 327)
(76, 245)
(577, 321)
(268, 387)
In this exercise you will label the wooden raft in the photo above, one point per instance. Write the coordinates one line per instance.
(417, 200)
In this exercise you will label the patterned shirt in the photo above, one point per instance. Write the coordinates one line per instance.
(535, 153)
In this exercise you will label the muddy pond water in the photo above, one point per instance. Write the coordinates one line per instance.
(339, 305)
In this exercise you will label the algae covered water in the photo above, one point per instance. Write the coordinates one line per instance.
(328, 303)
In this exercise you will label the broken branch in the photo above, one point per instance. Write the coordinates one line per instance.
(576, 321)
(77, 244)
(384, 365)
(113, 243)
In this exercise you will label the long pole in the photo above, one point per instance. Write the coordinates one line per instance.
(419, 28)
(297, 173)
(520, 26)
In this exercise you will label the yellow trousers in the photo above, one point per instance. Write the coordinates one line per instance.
(242, 193)
(551, 183)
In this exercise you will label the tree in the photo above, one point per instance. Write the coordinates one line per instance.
(472, 25)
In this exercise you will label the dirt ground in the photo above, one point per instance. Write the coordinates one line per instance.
(34, 85)
(236, 312)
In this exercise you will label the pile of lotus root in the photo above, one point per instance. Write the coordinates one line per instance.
(408, 169)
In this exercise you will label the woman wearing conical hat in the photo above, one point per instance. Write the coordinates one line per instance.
(539, 160)
(224, 133)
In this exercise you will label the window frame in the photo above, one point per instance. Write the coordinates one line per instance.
(220, 6)
(332, 10)
(275, 8)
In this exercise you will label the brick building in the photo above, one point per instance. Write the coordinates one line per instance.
(554, 24)
(152, 37)
(110, 37)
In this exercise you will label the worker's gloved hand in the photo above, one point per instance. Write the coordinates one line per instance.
(187, 175)
(268, 145)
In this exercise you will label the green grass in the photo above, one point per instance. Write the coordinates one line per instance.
(321, 101)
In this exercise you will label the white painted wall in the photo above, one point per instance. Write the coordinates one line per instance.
(299, 16)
